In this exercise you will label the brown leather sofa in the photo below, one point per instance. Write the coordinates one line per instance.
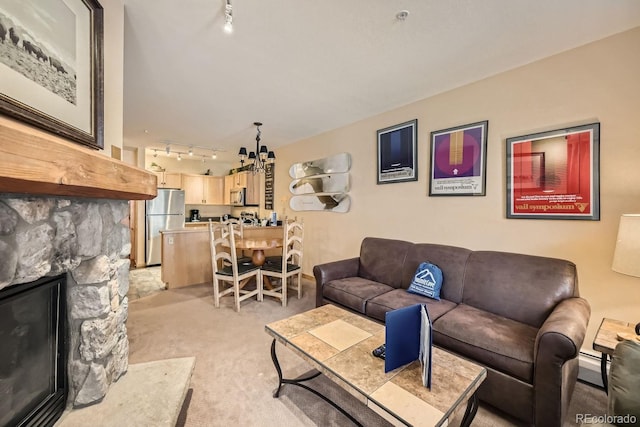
(518, 315)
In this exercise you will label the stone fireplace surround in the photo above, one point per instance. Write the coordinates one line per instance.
(64, 210)
(89, 240)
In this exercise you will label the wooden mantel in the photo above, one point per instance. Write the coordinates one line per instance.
(34, 162)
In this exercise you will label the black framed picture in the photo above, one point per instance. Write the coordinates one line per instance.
(459, 161)
(555, 174)
(51, 62)
(397, 153)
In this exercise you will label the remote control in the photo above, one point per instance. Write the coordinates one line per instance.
(379, 352)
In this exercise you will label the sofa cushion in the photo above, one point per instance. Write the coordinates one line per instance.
(399, 298)
(427, 281)
(450, 259)
(520, 287)
(503, 344)
(353, 292)
(381, 260)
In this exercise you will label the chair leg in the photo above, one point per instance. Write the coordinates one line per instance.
(216, 293)
(260, 284)
(285, 284)
(236, 294)
(299, 285)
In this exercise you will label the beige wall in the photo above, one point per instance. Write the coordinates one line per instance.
(113, 73)
(597, 82)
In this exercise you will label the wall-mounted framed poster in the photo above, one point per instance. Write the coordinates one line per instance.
(555, 174)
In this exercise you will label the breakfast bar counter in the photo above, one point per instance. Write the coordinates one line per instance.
(186, 256)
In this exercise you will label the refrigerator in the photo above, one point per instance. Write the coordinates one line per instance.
(165, 212)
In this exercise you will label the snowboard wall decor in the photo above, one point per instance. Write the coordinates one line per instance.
(338, 163)
(321, 184)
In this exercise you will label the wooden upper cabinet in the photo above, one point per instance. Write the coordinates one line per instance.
(169, 179)
(203, 189)
(229, 184)
(241, 179)
(252, 196)
(172, 180)
(193, 186)
(213, 190)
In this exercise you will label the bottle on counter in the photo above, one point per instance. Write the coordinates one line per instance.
(274, 218)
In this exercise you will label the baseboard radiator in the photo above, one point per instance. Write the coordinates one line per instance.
(589, 371)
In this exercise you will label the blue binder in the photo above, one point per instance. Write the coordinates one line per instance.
(408, 337)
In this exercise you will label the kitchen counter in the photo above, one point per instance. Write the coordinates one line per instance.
(186, 255)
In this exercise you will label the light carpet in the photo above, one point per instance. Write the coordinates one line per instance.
(234, 377)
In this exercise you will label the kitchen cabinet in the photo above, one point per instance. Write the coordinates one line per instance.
(229, 184)
(248, 180)
(169, 179)
(203, 189)
(252, 196)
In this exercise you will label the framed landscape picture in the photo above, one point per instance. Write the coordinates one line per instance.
(397, 153)
(51, 62)
(555, 174)
(458, 161)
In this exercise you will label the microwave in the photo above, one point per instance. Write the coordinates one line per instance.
(238, 196)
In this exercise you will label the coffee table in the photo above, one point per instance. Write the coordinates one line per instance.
(338, 344)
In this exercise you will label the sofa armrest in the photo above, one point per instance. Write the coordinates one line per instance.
(334, 270)
(558, 341)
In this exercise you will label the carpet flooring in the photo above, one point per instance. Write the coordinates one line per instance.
(234, 377)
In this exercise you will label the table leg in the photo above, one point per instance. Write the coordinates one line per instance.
(298, 381)
(470, 412)
(603, 372)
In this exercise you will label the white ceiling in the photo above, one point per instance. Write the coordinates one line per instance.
(303, 67)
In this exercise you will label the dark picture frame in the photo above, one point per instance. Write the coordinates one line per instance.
(398, 153)
(459, 160)
(53, 76)
(555, 174)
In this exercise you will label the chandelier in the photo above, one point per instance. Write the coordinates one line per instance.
(259, 158)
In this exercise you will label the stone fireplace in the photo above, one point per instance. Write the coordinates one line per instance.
(89, 241)
(64, 210)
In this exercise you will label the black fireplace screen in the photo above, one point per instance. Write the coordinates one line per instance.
(33, 384)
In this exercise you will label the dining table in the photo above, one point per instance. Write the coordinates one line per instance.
(258, 245)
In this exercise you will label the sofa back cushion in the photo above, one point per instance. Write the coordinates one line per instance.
(450, 259)
(381, 260)
(521, 287)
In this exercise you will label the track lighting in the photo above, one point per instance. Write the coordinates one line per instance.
(191, 150)
(155, 153)
(168, 149)
(179, 156)
(228, 18)
(214, 155)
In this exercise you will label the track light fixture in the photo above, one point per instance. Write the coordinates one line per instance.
(228, 17)
(261, 157)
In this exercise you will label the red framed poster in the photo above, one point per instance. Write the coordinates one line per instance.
(555, 174)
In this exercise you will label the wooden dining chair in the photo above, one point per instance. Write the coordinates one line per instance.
(227, 269)
(238, 231)
(291, 263)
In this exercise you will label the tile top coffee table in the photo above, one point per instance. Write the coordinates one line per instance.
(338, 344)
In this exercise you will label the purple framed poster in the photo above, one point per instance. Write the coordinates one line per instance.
(458, 161)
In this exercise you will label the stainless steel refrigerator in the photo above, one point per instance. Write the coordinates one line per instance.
(165, 212)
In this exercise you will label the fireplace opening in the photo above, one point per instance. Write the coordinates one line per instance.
(33, 354)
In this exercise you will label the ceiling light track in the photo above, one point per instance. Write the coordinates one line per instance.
(168, 150)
